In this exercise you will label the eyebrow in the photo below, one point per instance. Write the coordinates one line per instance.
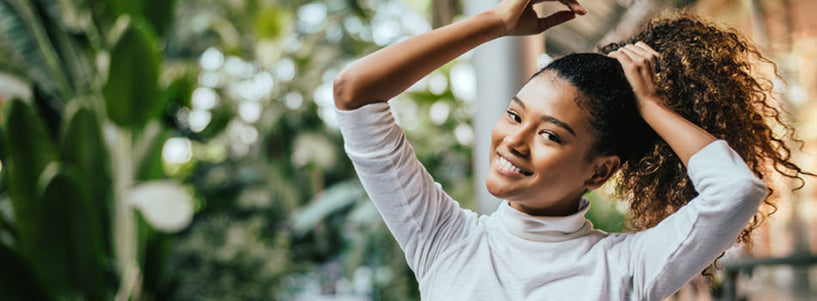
(547, 118)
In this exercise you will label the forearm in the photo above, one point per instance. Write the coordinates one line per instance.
(382, 75)
(684, 243)
(684, 137)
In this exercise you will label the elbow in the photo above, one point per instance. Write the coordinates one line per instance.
(751, 190)
(740, 192)
(343, 91)
(752, 187)
(758, 189)
(752, 193)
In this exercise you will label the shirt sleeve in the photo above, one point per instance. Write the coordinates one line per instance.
(664, 258)
(422, 217)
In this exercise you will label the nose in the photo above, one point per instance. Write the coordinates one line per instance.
(517, 142)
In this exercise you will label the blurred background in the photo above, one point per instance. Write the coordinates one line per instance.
(187, 149)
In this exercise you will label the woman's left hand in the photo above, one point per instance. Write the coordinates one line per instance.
(638, 61)
(683, 136)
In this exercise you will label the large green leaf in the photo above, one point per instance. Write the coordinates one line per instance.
(69, 255)
(82, 145)
(17, 282)
(155, 255)
(158, 13)
(131, 92)
(28, 150)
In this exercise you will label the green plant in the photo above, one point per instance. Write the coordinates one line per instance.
(79, 154)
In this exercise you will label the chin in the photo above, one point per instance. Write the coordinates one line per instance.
(496, 189)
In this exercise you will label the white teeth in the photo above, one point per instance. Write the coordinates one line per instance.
(507, 165)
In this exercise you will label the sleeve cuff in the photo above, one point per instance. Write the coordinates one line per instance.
(717, 148)
(719, 162)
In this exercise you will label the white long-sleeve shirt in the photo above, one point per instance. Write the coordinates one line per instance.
(509, 255)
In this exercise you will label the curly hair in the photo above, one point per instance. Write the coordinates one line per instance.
(707, 74)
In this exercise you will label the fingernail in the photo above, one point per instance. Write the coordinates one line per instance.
(582, 10)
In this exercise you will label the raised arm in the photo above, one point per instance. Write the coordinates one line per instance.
(665, 257)
(382, 75)
(422, 217)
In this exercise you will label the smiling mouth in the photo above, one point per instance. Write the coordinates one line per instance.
(508, 168)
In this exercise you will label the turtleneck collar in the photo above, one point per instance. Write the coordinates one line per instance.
(545, 228)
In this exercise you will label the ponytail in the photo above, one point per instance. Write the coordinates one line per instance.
(706, 74)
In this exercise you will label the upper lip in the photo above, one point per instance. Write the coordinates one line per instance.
(514, 162)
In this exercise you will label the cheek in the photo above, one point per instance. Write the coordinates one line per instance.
(558, 165)
(496, 136)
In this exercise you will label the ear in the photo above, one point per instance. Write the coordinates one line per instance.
(604, 168)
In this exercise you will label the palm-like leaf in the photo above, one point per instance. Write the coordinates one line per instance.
(25, 40)
(131, 93)
(28, 150)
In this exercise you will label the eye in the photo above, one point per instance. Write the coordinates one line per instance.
(513, 116)
(550, 136)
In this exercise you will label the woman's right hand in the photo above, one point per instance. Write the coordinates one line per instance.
(519, 18)
(384, 74)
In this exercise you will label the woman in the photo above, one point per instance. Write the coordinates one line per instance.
(574, 125)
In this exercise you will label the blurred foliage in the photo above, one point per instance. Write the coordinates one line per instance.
(606, 213)
(234, 102)
(231, 99)
(72, 146)
(280, 212)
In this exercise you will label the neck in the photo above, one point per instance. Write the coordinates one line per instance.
(562, 208)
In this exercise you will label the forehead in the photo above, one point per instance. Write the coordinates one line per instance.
(549, 94)
(549, 85)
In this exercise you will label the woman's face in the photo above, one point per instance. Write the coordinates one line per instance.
(539, 149)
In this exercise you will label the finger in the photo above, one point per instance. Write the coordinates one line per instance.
(627, 65)
(655, 57)
(642, 61)
(572, 4)
(614, 54)
(633, 57)
(643, 67)
(640, 51)
(555, 19)
(644, 58)
(622, 58)
(646, 53)
(639, 56)
(575, 6)
(635, 76)
(648, 48)
(647, 58)
(629, 62)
